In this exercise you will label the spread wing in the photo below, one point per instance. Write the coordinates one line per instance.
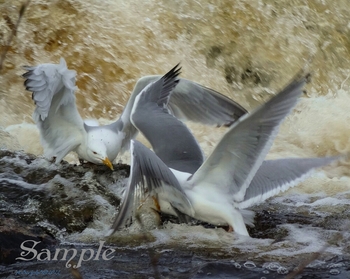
(148, 174)
(236, 159)
(56, 115)
(194, 102)
(276, 176)
(189, 101)
(171, 140)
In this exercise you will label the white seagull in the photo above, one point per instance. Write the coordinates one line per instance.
(62, 129)
(234, 176)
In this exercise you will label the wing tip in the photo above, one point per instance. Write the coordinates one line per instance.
(27, 74)
(174, 72)
(298, 81)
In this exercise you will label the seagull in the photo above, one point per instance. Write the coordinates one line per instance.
(233, 177)
(62, 129)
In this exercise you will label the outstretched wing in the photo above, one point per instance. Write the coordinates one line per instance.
(171, 140)
(148, 174)
(191, 101)
(56, 115)
(279, 175)
(235, 160)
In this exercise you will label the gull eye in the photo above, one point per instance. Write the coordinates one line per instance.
(94, 152)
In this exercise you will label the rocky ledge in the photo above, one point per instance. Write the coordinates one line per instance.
(46, 203)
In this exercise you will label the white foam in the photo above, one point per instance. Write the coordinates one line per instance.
(302, 240)
(24, 184)
(330, 201)
(27, 136)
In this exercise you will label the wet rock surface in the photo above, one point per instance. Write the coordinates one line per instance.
(23, 186)
(42, 202)
(129, 263)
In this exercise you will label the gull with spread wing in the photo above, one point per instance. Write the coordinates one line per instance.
(62, 129)
(234, 177)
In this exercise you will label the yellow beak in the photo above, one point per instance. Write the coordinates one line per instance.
(108, 163)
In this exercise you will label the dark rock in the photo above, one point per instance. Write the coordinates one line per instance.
(37, 200)
(44, 202)
(14, 232)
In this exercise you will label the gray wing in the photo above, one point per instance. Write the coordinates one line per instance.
(171, 140)
(148, 174)
(276, 176)
(235, 160)
(189, 101)
(194, 102)
(205, 106)
(130, 130)
(60, 125)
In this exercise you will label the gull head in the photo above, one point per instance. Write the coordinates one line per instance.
(97, 153)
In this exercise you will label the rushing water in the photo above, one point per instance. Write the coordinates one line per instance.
(244, 49)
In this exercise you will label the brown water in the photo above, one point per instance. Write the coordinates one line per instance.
(244, 49)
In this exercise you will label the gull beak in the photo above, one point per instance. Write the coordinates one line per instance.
(108, 163)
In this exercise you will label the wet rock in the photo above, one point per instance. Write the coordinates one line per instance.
(13, 232)
(38, 198)
(34, 190)
(266, 222)
(44, 202)
(335, 221)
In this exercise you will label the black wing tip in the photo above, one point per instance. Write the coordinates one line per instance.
(27, 74)
(26, 82)
(169, 81)
(28, 88)
(174, 72)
